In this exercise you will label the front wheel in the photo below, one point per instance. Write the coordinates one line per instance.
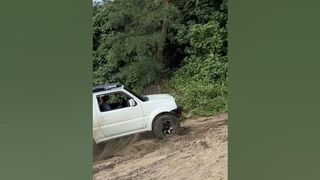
(165, 125)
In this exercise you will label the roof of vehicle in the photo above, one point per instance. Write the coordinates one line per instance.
(105, 87)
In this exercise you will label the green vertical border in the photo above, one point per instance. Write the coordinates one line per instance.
(45, 80)
(274, 90)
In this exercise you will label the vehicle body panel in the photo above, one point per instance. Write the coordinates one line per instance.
(128, 120)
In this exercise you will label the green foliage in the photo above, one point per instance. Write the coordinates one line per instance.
(199, 98)
(127, 33)
(200, 85)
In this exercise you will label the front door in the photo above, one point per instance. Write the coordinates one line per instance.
(117, 116)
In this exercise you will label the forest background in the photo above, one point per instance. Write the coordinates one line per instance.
(165, 46)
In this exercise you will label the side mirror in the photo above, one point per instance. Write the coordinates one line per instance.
(132, 102)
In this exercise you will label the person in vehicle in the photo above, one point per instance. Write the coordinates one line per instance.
(105, 105)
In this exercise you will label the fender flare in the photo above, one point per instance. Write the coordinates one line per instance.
(156, 114)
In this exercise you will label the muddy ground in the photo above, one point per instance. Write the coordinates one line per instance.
(199, 151)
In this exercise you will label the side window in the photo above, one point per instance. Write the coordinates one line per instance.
(113, 101)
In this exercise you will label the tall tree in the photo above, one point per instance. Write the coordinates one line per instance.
(164, 31)
(126, 34)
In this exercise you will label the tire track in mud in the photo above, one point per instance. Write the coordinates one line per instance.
(199, 150)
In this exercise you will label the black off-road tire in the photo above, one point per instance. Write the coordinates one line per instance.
(161, 123)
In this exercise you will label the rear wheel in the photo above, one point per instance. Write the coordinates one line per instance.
(165, 125)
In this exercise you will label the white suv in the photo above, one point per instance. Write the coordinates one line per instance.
(118, 112)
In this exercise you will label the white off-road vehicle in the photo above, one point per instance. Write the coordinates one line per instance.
(118, 112)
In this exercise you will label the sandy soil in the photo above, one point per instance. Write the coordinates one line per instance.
(198, 151)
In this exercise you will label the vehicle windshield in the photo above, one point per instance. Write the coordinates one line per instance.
(142, 98)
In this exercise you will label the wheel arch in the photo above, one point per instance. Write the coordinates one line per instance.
(168, 109)
(160, 114)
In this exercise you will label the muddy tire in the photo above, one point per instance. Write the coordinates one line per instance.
(165, 125)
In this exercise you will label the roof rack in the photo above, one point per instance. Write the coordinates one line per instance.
(105, 87)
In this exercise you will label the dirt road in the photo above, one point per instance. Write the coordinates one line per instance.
(199, 151)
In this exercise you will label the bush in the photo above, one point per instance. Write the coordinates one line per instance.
(200, 85)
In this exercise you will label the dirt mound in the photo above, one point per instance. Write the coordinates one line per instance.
(199, 151)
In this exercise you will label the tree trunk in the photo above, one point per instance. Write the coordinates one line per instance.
(164, 32)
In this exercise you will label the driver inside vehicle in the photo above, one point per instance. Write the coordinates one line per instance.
(105, 104)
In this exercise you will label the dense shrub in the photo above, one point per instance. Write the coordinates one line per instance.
(200, 85)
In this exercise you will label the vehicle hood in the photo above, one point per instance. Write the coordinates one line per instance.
(156, 97)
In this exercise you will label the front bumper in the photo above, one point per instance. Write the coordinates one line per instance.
(177, 112)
